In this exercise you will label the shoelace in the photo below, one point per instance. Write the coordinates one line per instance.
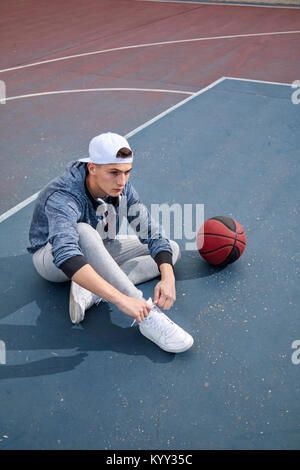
(98, 300)
(89, 302)
(159, 321)
(134, 321)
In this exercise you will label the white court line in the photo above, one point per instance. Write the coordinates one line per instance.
(137, 46)
(228, 4)
(30, 199)
(168, 111)
(82, 90)
(18, 207)
(257, 81)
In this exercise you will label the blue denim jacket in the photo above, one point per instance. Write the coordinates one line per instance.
(64, 202)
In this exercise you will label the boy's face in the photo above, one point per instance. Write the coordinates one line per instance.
(108, 179)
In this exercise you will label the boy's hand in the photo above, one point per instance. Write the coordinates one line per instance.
(138, 309)
(165, 293)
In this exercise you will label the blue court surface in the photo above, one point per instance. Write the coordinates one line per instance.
(102, 385)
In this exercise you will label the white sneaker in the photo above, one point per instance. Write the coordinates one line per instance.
(80, 300)
(164, 332)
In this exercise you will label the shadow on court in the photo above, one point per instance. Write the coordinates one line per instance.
(52, 328)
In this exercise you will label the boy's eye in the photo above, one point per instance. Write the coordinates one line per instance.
(115, 173)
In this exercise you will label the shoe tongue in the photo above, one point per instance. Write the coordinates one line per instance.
(158, 318)
(160, 321)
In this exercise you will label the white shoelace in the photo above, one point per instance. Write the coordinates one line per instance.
(159, 321)
(91, 301)
(97, 299)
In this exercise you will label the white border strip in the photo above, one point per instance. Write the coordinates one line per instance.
(138, 46)
(227, 4)
(30, 199)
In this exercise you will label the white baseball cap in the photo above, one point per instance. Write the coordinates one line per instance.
(104, 148)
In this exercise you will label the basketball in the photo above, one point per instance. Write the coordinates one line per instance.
(221, 240)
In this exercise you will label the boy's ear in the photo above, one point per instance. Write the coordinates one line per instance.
(91, 168)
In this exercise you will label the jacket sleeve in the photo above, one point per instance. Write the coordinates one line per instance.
(63, 213)
(147, 229)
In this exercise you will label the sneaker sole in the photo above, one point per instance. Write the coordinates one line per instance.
(183, 349)
(75, 311)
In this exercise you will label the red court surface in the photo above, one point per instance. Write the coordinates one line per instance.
(48, 130)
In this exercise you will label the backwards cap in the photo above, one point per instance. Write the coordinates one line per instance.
(103, 149)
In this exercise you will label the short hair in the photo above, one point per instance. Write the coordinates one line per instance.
(124, 153)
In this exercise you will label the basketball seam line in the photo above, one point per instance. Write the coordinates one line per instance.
(220, 219)
(225, 236)
(216, 249)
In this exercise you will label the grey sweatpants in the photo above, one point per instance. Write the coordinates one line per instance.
(123, 262)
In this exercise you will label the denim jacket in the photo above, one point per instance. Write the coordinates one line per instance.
(64, 202)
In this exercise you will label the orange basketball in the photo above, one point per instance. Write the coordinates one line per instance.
(221, 240)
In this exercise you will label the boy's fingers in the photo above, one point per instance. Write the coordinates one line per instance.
(168, 304)
(162, 300)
